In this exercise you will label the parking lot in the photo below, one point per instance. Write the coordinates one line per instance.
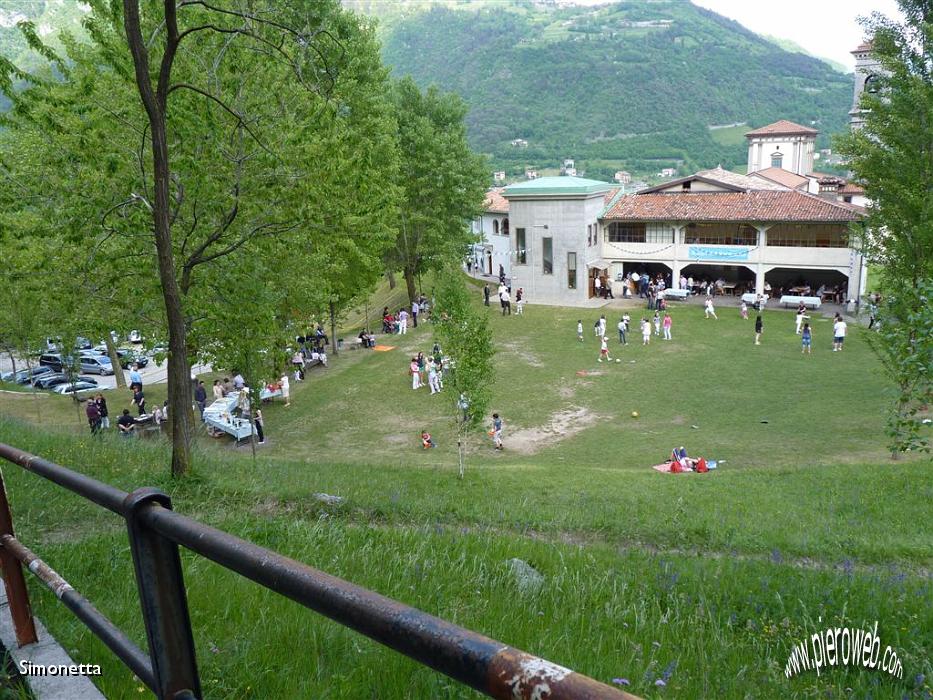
(151, 374)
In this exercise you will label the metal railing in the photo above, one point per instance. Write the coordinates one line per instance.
(169, 668)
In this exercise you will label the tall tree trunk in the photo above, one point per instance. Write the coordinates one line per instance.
(115, 361)
(410, 283)
(391, 277)
(179, 385)
(333, 327)
(12, 360)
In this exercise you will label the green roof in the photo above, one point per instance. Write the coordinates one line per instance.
(563, 184)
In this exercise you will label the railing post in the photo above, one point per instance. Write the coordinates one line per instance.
(163, 600)
(13, 581)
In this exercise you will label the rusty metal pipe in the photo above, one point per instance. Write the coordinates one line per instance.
(96, 491)
(84, 610)
(491, 667)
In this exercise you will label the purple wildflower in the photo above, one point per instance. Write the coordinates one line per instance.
(621, 681)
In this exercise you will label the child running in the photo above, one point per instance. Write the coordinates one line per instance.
(805, 339)
(604, 350)
(758, 326)
(710, 311)
(580, 330)
(657, 323)
(496, 431)
(744, 310)
(645, 332)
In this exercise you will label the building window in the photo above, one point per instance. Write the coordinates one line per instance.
(685, 186)
(495, 226)
(505, 227)
(721, 234)
(625, 232)
(547, 256)
(571, 270)
(808, 236)
(777, 159)
(589, 236)
(520, 257)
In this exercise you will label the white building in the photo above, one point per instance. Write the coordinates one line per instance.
(784, 145)
(749, 231)
(668, 172)
(498, 176)
(555, 224)
(866, 71)
(623, 177)
(492, 248)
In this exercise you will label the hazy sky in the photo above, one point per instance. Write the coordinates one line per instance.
(826, 28)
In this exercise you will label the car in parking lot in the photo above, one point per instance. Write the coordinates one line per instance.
(76, 388)
(95, 364)
(127, 356)
(47, 381)
(25, 376)
(54, 360)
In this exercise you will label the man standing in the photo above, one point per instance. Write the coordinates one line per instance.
(597, 286)
(200, 397)
(414, 312)
(486, 295)
(402, 322)
(93, 416)
(136, 379)
(506, 302)
(139, 400)
(621, 327)
(602, 325)
(839, 333)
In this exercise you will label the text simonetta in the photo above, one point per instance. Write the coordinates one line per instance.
(27, 668)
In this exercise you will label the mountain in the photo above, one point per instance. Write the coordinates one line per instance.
(633, 85)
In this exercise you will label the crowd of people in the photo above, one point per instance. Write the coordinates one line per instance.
(397, 322)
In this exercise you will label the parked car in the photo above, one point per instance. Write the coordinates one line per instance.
(126, 355)
(23, 376)
(82, 343)
(87, 379)
(75, 388)
(53, 360)
(93, 352)
(47, 381)
(96, 364)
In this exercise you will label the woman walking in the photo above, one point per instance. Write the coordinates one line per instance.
(668, 322)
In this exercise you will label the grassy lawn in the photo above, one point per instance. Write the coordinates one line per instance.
(702, 581)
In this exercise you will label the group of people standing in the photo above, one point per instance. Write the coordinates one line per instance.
(397, 322)
(505, 298)
(428, 371)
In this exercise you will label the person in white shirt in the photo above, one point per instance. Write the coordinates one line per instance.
(602, 325)
(645, 331)
(839, 334)
(597, 286)
(604, 350)
(580, 331)
(402, 322)
(709, 310)
(415, 310)
(286, 389)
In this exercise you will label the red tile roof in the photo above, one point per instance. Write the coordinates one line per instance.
(863, 47)
(782, 128)
(758, 205)
(851, 188)
(609, 195)
(495, 203)
(782, 177)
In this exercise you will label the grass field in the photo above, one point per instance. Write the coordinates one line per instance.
(701, 581)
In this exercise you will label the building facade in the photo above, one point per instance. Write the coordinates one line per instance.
(751, 232)
(491, 228)
(784, 145)
(556, 234)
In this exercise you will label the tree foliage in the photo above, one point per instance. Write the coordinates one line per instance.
(892, 155)
(200, 181)
(443, 181)
(463, 333)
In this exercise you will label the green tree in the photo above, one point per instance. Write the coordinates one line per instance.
(173, 165)
(893, 158)
(443, 183)
(464, 335)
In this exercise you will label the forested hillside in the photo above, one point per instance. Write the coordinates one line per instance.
(633, 84)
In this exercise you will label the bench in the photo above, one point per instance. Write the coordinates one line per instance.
(675, 294)
(792, 300)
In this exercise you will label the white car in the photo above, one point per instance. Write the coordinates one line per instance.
(136, 337)
(77, 388)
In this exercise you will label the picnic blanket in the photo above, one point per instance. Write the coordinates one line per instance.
(384, 348)
(665, 468)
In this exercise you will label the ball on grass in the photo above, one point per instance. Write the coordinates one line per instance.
(618, 360)
(634, 414)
